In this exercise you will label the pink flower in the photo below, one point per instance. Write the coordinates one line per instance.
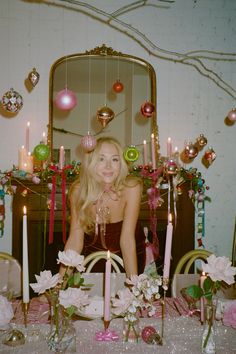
(45, 281)
(71, 258)
(73, 297)
(229, 318)
(124, 300)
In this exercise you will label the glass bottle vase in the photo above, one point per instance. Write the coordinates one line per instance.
(208, 335)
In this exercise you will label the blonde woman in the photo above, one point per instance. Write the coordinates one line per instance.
(105, 205)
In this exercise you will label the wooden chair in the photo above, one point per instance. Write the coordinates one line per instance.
(182, 278)
(12, 274)
(97, 279)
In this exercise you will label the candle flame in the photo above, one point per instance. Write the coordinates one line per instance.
(24, 210)
(108, 254)
(152, 136)
(170, 217)
(144, 142)
(28, 124)
(203, 273)
(169, 139)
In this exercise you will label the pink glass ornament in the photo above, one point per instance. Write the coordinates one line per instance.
(171, 167)
(150, 335)
(147, 109)
(66, 100)
(88, 143)
(232, 115)
(118, 86)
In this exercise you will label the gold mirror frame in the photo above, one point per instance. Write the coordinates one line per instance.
(108, 54)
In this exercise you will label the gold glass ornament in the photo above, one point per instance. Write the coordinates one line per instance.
(33, 77)
(105, 115)
(12, 101)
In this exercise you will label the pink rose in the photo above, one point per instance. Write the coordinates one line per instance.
(229, 318)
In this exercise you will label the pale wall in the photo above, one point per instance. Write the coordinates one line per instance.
(35, 34)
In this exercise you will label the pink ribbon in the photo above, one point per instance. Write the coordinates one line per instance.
(106, 336)
(62, 174)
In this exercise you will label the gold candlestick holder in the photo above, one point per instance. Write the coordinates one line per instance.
(25, 308)
(165, 285)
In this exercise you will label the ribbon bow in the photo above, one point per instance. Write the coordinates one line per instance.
(106, 336)
(58, 173)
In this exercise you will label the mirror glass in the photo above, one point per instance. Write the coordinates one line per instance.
(94, 78)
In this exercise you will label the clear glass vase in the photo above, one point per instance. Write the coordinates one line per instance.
(62, 335)
(208, 335)
(131, 330)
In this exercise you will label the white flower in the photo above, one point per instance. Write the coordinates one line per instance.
(73, 297)
(45, 281)
(6, 311)
(72, 259)
(219, 268)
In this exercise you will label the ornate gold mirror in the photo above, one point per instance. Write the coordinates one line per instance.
(94, 78)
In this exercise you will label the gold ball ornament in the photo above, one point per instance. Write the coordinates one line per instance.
(201, 140)
(105, 115)
(12, 101)
(171, 167)
(191, 151)
(33, 77)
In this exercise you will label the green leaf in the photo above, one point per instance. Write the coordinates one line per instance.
(77, 278)
(71, 310)
(194, 291)
(207, 285)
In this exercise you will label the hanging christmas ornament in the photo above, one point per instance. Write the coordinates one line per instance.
(66, 100)
(150, 335)
(171, 167)
(210, 155)
(105, 115)
(118, 86)
(232, 115)
(88, 142)
(12, 101)
(33, 77)
(41, 152)
(201, 140)
(131, 154)
(147, 109)
(190, 151)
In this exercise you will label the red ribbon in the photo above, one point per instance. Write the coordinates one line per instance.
(61, 173)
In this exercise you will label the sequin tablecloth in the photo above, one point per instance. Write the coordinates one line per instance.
(182, 334)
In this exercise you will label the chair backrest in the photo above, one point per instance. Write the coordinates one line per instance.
(181, 277)
(11, 281)
(94, 257)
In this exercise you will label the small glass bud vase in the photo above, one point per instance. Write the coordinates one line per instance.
(208, 335)
(62, 335)
(131, 330)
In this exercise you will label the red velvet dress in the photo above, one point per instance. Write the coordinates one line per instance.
(112, 243)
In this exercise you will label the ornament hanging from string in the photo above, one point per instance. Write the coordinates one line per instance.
(33, 77)
(88, 142)
(232, 115)
(147, 109)
(131, 154)
(118, 86)
(66, 100)
(12, 101)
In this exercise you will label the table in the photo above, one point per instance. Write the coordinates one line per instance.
(182, 334)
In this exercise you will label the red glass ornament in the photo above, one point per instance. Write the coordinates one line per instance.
(66, 100)
(150, 335)
(210, 155)
(147, 109)
(118, 86)
(232, 115)
(88, 143)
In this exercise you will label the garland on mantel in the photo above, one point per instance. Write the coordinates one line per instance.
(154, 181)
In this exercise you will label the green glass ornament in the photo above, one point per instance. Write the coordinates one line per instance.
(41, 152)
(131, 154)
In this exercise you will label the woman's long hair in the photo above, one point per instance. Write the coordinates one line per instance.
(88, 186)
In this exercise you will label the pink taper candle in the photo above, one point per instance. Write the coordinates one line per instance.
(202, 301)
(169, 147)
(27, 137)
(169, 234)
(25, 262)
(61, 157)
(144, 153)
(153, 151)
(107, 296)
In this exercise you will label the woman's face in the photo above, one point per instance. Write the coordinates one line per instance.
(108, 165)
